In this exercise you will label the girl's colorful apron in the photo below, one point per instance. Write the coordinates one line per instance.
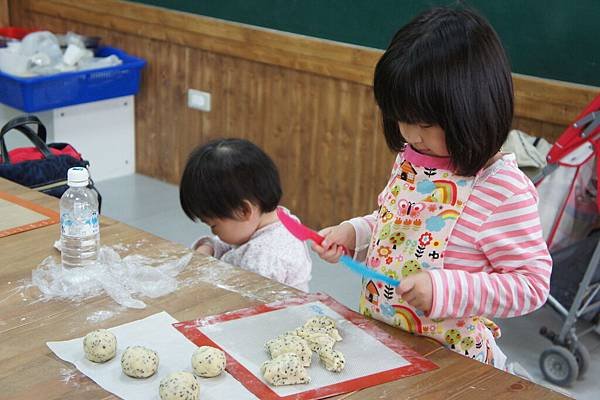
(418, 210)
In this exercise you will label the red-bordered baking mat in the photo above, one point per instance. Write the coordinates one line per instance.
(14, 205)
(418, 364)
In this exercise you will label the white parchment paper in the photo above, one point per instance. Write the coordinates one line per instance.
(174, 351)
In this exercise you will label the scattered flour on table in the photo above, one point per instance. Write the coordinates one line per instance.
(99, 316)
(69, 376)
(233, 279)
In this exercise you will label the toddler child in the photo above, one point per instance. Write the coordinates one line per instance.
(233, 186)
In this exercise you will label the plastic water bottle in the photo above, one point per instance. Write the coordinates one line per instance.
(79, 227)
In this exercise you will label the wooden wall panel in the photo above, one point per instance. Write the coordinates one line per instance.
(4, 13)
(307, 102)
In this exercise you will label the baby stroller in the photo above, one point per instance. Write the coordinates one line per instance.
(569, 209)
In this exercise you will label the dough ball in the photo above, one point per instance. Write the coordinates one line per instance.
(316, 340)
(208, 361)
(324, 324)
(290, 344)
(139, 362)
(100, 345)
(286, 369)
(179, 386)
(332, 360)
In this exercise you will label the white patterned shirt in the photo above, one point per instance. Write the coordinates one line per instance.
(271, 252)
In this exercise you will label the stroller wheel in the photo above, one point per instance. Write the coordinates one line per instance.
(583, 358)
(559, 366)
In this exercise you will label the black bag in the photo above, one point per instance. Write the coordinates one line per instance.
(42, 167)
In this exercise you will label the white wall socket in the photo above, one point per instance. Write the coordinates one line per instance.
(199, 100)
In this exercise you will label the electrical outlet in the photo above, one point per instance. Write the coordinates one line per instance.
(199, 100)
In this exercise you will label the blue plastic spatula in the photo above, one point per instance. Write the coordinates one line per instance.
(304, 233)
(367, 272)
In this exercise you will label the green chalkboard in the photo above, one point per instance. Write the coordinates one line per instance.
(556, 39)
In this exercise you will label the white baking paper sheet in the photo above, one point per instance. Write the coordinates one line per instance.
(244, 340)
(174, 351)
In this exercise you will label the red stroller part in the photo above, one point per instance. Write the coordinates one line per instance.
(569, 209)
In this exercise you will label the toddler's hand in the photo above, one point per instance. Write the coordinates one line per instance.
(336, 238)
(417, 290)
(205, 249)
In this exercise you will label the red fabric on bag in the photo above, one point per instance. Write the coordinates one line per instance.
(21, 154)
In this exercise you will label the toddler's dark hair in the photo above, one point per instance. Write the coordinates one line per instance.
(221, 174)
(448, 67)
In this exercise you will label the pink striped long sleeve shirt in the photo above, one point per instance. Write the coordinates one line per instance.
(496, 263)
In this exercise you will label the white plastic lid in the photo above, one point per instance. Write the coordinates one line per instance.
(78, 177)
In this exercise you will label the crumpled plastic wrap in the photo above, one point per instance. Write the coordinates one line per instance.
(120, 278)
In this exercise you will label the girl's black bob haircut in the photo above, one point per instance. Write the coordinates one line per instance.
(448, 67)
(220, 175)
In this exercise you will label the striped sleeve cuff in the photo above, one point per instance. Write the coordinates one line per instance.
(439, 285)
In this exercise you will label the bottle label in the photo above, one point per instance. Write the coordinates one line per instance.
(79, 224)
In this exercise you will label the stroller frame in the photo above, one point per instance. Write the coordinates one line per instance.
(568, 359)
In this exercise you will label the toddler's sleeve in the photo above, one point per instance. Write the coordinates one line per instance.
(217, 244)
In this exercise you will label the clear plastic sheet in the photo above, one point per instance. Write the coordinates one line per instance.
(120, 278)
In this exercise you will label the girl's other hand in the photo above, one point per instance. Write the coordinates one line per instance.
(205, 249)
(336, 238)
(417, 290)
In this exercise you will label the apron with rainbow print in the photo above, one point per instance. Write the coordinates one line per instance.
(418, 210)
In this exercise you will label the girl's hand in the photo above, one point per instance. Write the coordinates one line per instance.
(336, 238)
(205, 249)
(417, 290)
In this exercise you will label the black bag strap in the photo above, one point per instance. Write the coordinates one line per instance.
(21, 123)
(92, 186)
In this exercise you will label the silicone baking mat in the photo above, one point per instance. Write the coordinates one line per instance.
(19, 215)
(372, 356)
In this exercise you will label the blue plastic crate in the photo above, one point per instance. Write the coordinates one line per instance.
(47, 92)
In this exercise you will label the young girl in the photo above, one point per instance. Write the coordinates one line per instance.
(233, 186)
(457, 222)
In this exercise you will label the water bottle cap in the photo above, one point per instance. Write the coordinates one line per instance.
(78, 177)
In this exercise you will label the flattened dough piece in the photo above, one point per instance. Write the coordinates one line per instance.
(325, 324)
(320, 321)
(100, 345)
(316, 340)
(332, 360)
(139, 362)
(208, 361)
(286, 369)
(179, 386)
(284, 344)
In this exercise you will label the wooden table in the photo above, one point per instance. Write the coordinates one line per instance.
(29, 370)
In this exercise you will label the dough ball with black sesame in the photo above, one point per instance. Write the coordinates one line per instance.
(179, 386)
(208, 361)
(139, 362)
(100, 345)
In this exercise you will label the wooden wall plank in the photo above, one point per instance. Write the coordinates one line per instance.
(4, 13)
(307, 102)
(556, 103)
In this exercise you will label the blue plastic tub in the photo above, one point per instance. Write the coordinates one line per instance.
(47, 92)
